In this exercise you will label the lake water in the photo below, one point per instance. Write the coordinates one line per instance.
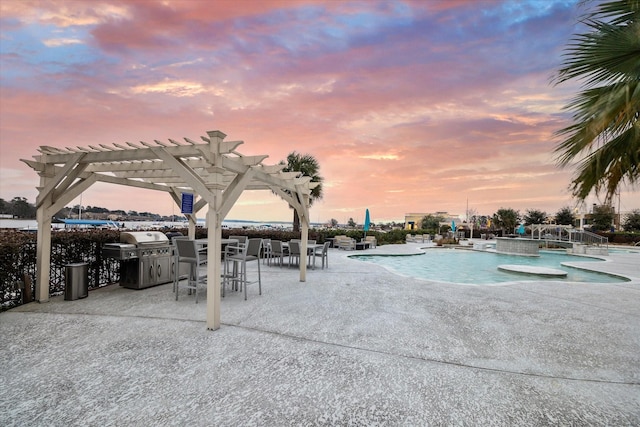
(32, 224)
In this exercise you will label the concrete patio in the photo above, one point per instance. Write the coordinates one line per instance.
(353, 345)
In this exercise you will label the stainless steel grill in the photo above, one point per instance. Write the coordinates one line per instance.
(145, 258)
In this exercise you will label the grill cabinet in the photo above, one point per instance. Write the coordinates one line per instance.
(145, 258)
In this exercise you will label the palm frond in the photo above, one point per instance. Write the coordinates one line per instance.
(606, 55)
(610, 165)
(604, 137)
(600, 114)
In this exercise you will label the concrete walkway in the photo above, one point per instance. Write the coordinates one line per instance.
(354, 345)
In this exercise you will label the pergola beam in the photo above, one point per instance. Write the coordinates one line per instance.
(59, 177)
(131, 183)
(71, 193)
(125, 154)
(69, 180)
(233, 192)
(186, 173)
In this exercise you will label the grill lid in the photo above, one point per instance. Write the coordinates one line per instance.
(144, 238)
(119, 246)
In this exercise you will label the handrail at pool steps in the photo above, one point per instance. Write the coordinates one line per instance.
(568, 234)
(588, 238)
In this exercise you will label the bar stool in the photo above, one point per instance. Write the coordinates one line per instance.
(175, 264)
(188, 253)
(239, 259)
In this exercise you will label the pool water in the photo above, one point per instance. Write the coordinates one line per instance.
(481, 268)
(633, 250)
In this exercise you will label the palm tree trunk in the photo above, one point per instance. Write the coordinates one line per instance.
(296, 221)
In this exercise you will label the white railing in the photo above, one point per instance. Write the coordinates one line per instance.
(564, 233)
(588, 238)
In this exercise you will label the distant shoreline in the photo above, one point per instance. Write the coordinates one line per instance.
(32, 224)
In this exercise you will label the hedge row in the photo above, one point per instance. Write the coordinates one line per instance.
(18, 259)
(18, 255)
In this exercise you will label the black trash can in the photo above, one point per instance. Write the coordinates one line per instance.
(76, 284)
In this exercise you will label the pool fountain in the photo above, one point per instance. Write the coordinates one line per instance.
(518, 246)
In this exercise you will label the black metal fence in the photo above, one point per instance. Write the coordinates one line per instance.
(18, 262)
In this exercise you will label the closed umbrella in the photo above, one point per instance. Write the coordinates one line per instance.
(453, 226)
(521, 229)
(367, 222)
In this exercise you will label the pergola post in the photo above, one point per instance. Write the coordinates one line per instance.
(304, 236)
(214, 237)
(43, 253)
(191, 230)
(214, 256)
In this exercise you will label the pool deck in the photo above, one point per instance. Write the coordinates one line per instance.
(353, 345)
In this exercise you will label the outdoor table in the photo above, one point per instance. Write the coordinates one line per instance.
(203, 243)
(311, 252)
(362, 246)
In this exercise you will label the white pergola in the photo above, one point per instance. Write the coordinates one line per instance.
(213, 171)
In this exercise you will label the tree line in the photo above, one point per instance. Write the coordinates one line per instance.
(19, 207)
(601, 219)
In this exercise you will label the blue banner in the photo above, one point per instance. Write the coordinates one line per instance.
(186, 205)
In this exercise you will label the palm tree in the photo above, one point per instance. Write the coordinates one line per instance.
(506, 219)
(604, 138)
(535, 216)
(309, 166)
(565, 216)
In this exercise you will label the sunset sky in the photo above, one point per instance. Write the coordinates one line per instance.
(409, 106)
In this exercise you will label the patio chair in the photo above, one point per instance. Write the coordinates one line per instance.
(310, 251)
(242, 241)
(371, 240)
(294, 252)
(323, 254)
(239, 255)
(278, 252)
(266, 251)
(188, 253)
(345, 242)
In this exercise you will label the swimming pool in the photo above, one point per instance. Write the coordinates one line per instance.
(632, 250)
(481, 268)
